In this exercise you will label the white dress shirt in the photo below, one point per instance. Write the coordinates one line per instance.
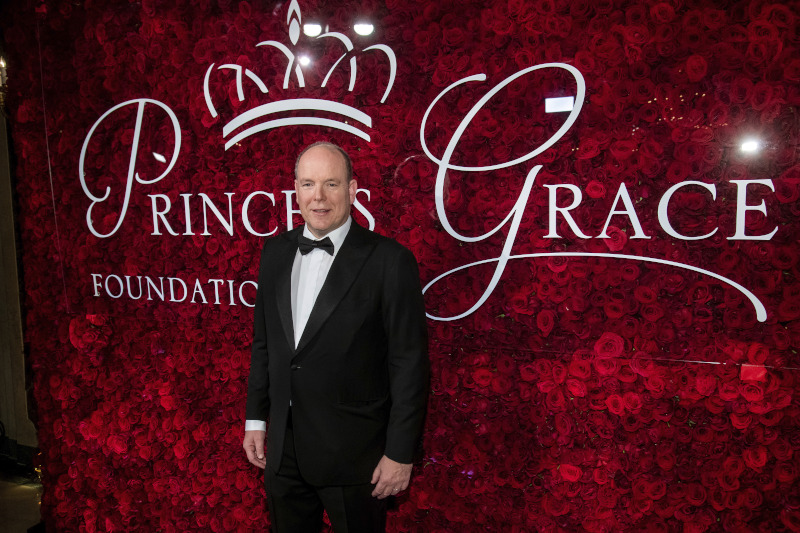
(308, 276)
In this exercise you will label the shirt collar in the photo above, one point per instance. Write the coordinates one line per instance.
(336, 236)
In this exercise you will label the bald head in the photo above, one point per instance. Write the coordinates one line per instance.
(348, 165)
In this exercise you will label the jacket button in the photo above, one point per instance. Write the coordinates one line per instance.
(295, 367)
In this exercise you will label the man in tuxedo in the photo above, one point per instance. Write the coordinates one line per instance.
(339, 362)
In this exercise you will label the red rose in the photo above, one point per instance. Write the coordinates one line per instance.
(482, 377)
(606, 367)
(616, 239)
(555, 400)
(595, 189)
(752, 392)
(742, 421)
(615, 404)
(609, 345)
(755, 457)
(632, 402)
(117, 444)
(554, 506)
(576, 388)
(657, 489)
(791, 519)
(728, 391)
(781, 449)
(545, 321)
(570, 472)
(528, 372)
(580, 368)
(696, 67)
(757, 353)
(785, 472)
(662, 13)
(559, 372)
(607, 496)
(501, 384)
(705, 384)
(644, 294)
(695, 494)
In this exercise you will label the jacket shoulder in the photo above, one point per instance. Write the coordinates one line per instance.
(384, 245)
(282, 239)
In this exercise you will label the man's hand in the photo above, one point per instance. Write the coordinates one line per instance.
(254, 447)
(390, 477)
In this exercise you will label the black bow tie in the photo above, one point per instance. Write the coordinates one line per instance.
(306, 245)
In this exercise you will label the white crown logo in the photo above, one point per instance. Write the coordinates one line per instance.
(339, 110)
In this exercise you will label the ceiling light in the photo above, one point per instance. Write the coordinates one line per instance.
(750, 146)
(364, 29)
(312, 30)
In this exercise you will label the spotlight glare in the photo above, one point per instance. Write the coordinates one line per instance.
(304, 60)
(312, 30)
(364, 29)
(750, 146)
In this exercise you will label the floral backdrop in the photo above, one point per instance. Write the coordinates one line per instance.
(587, 393)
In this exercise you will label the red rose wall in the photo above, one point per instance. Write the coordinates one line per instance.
(626, 353)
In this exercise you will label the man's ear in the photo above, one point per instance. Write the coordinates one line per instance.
(353, 188)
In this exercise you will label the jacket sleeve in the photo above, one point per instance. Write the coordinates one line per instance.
(406, 329)
(258, 382)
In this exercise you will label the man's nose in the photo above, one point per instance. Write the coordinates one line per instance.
(319, 193)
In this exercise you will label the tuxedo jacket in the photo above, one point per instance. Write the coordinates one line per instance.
(358, 379)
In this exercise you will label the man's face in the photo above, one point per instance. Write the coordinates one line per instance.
(323, 194)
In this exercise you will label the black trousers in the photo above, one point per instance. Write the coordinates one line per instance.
(296, 507)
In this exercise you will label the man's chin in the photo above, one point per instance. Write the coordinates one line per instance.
(319, 230)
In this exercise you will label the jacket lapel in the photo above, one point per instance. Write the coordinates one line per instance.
(355, 250)
(283, 283)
